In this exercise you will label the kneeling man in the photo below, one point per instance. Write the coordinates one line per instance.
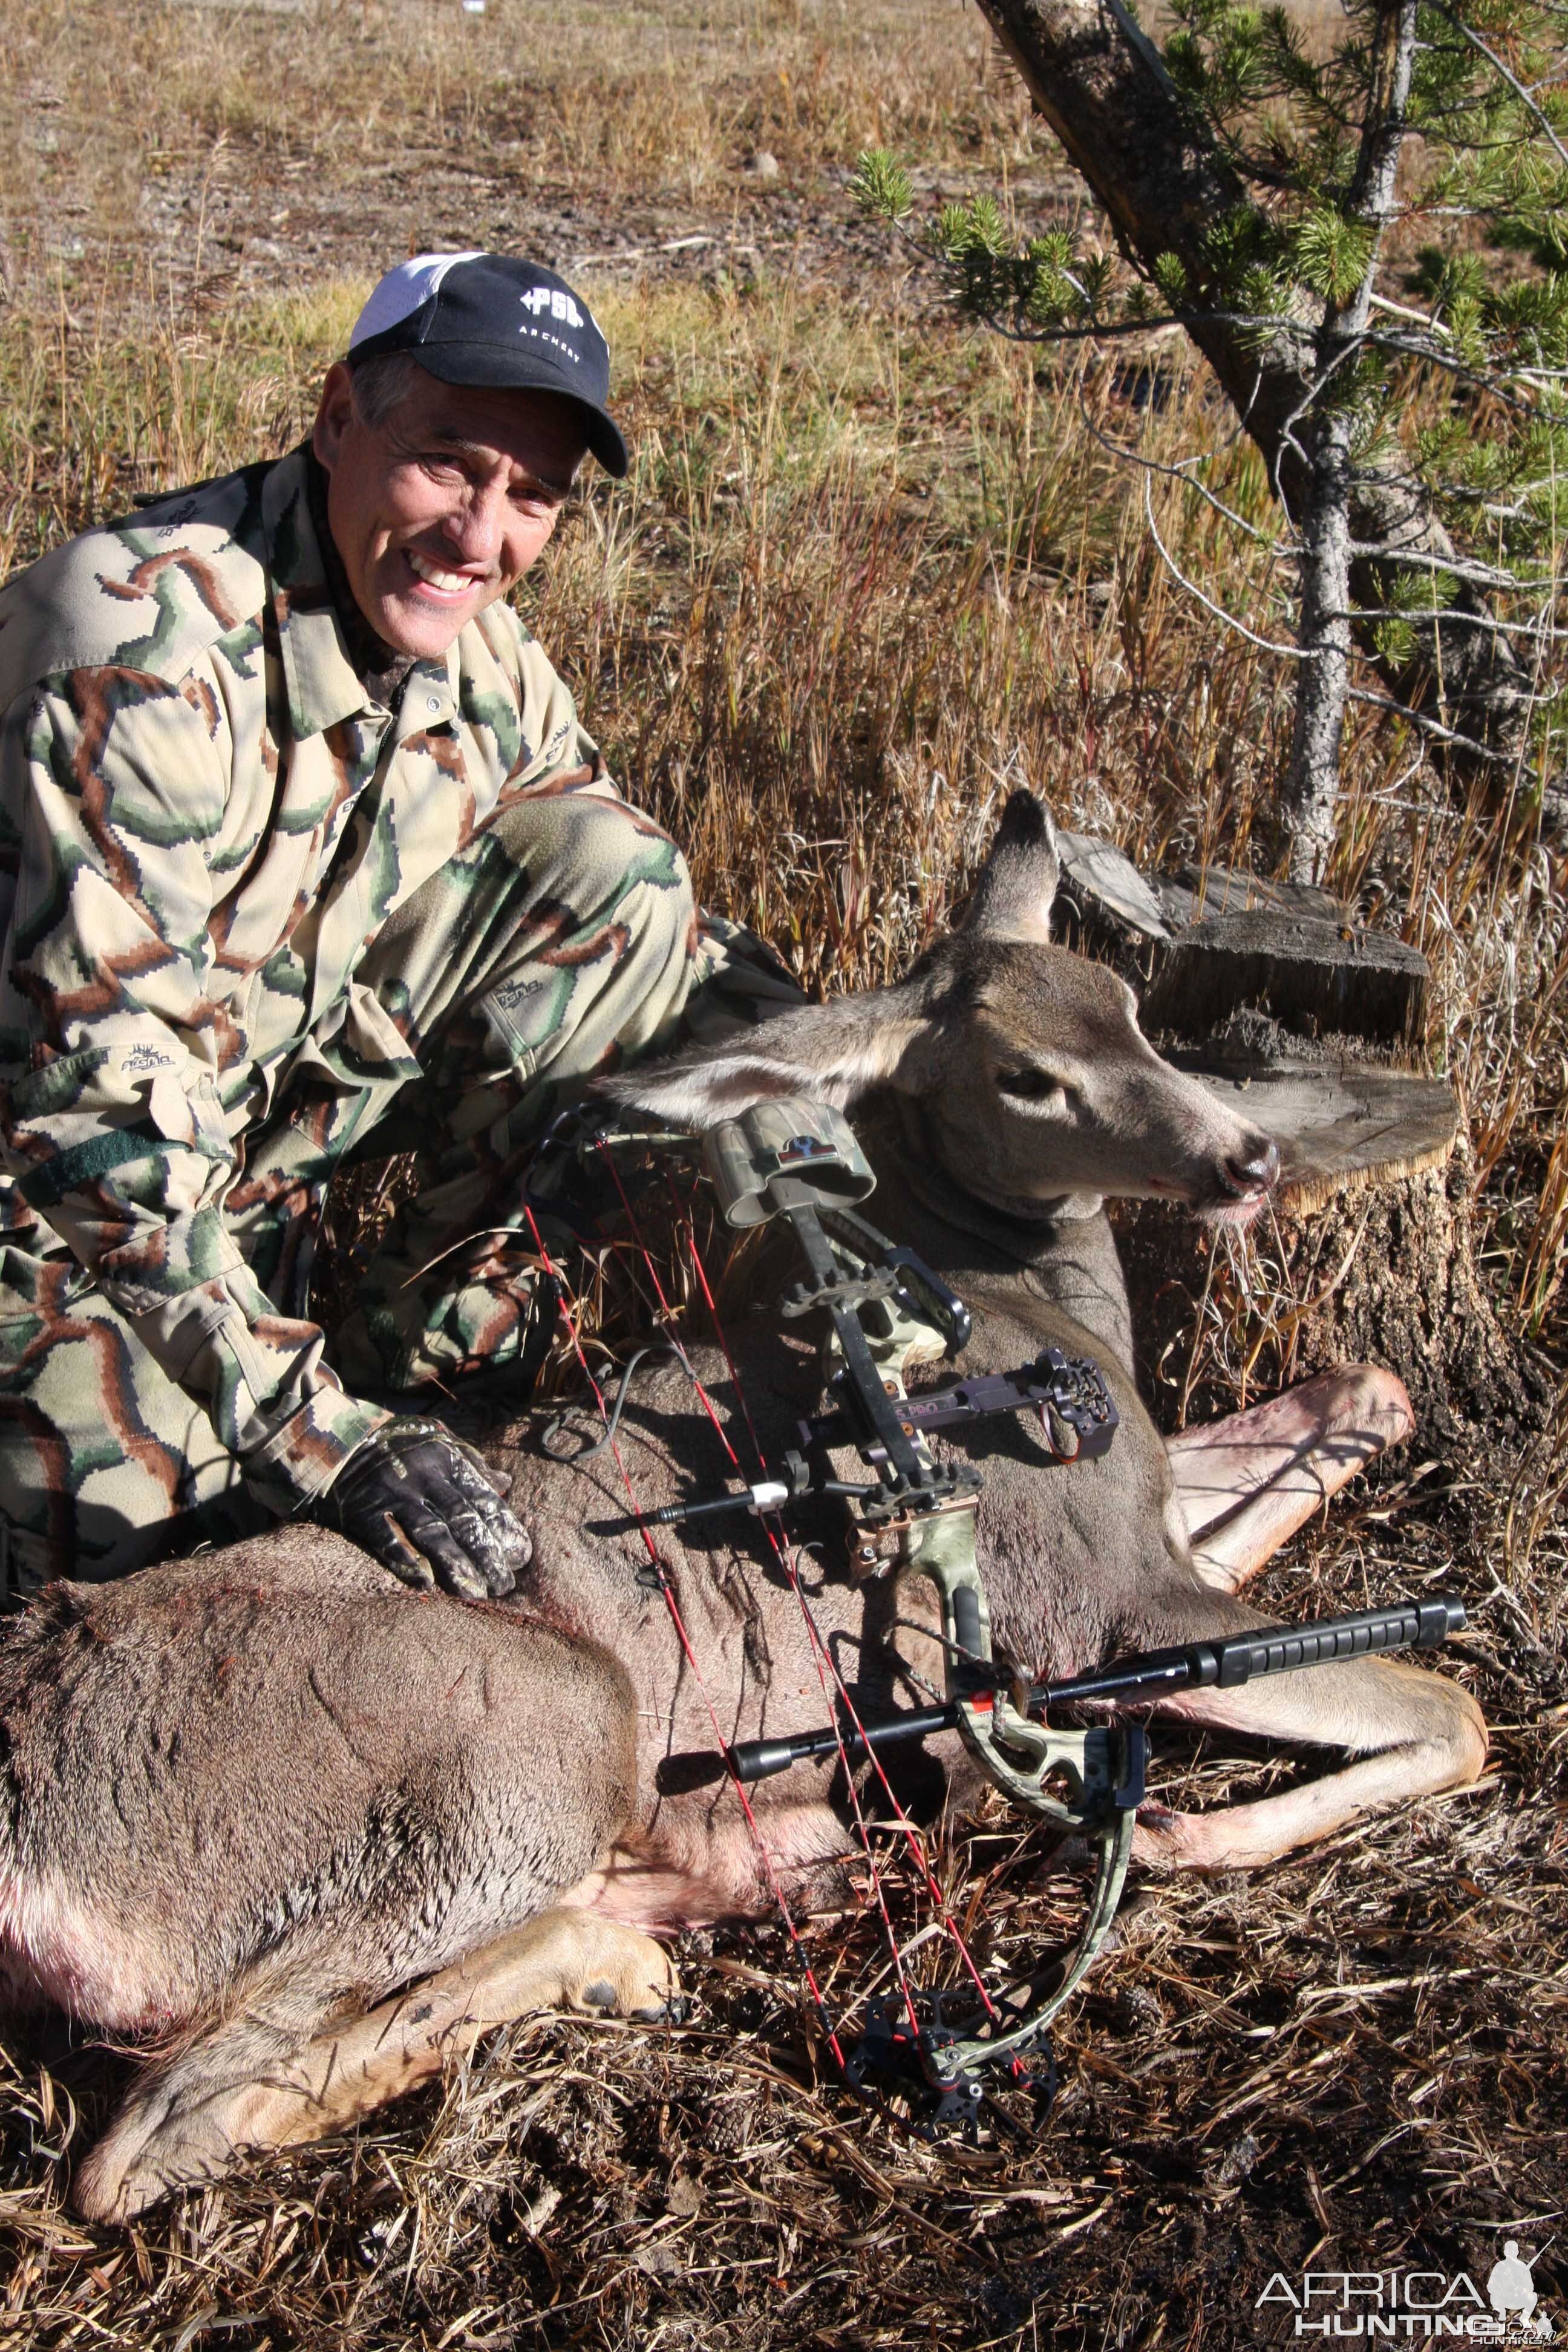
(301, 843)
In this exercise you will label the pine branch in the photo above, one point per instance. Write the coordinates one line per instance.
(1541, 122)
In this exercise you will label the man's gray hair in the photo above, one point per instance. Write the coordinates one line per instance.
(381, 384)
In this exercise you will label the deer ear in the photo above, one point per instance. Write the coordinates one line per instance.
(1013, 897)
(831, 1053)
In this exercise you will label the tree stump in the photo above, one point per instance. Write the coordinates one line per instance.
(1413, 1299)
(1315, 978)
(1273, 995)
(1213, 943)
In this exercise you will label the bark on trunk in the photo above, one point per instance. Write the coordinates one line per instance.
(1311, 783)
(1103, 88)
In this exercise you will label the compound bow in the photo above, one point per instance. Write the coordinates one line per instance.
(798, 1161)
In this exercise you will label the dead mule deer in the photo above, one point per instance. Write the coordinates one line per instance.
(326, 1829)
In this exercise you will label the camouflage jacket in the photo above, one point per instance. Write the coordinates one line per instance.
(203, 821)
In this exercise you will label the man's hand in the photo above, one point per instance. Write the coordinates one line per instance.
(425, 1506)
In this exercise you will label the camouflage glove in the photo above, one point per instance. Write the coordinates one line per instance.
(425, 1507)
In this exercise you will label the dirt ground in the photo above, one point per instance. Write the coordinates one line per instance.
(1349, 2063)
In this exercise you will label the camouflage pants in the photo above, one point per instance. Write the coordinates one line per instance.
(562, 940)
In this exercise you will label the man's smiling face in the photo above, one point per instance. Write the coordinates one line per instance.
(441, 508)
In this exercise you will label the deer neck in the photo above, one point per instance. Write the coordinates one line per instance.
(1062, 1253)
(1022, 1230)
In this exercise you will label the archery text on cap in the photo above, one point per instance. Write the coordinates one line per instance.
(484, 319)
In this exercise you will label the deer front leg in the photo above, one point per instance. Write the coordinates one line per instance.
(249, 2084)
(1413, 1733)
(1246, 1484)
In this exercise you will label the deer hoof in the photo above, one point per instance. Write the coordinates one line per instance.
(631, 1977)
(605, 2001)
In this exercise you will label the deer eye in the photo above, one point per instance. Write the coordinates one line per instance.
(1032, 1086)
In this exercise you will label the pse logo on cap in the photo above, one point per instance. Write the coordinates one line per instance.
(556, 300)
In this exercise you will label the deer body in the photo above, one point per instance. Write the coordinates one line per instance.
(329, 1828)
(1064, 1573)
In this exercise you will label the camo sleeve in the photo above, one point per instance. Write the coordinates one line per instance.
(116, 1131)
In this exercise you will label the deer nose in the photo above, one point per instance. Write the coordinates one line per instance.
(1254, 1172)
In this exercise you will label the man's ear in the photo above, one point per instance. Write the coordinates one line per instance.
(1018, 881)
(830, 1053)
(333, 415)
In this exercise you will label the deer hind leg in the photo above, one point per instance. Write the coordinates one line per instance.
(254, 2083)
(1246, 1484)
(1410, 1733)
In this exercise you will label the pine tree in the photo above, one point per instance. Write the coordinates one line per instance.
(1371, 247)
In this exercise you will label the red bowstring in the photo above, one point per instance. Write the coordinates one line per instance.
(824, 1656)
(787, 1562)
(690, 1656)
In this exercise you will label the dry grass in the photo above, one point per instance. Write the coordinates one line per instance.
(866, 571)
(672, 99)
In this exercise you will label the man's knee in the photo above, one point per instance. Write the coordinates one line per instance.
(601, 956)
(104, 1462)
(586, 864)
(562, 906)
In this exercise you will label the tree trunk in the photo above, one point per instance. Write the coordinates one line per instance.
(1311, 786)
(1103, 88)
(1312, 780)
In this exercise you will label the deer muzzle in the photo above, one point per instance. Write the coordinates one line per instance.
(1244, 1180)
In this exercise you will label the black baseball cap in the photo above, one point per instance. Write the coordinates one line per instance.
(484, 319)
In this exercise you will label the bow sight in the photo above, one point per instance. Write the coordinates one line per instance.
(798, 1161)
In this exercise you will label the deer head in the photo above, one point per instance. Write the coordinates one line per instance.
(1034, 1081)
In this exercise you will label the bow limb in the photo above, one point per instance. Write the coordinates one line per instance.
(948, 2061)
(1102, 1766)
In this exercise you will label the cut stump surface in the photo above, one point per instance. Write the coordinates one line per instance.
(1340, 1126)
